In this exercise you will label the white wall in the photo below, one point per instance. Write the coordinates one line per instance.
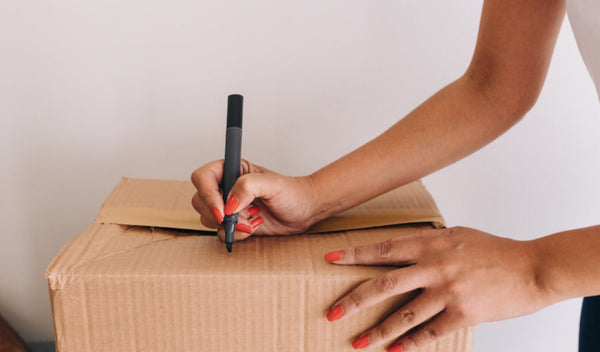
(94, 90)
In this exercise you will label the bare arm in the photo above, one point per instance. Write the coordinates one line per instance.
(568, 263)
(512, 55)
(509, 65)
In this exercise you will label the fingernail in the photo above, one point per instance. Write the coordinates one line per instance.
(333, 256)
(259, 220)
(231, 205)
(395, 348)
(243, 228)
(217, 215)
(253, 211)
(360, 342)
(335, 313)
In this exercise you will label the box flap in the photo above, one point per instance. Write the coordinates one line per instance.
(162, 203)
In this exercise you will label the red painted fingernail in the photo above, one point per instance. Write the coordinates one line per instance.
(395, 348)
(335, 313)
(259, 220)
(253, 211)
(333, 256)
(231, 205)
(243, 228)
(217, 215)
(360, 342)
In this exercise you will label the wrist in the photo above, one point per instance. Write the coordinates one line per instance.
(319, 208)
(543, 277)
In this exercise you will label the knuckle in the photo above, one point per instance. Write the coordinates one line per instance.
(406, 316)
(409, 343)
(354, 299)
(447, 271)
(385, 283)
(199, 175)
(204, 196)
(383, 249)
(357, 253)
(379, 333)
(194, 176)
(464, 316)
(461, 315)
(243, 184)
(429, 334)
(456, 290)
(422, 337)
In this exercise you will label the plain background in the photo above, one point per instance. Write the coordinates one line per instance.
(94, 90)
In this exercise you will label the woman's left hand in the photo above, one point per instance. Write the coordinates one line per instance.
(465, 276)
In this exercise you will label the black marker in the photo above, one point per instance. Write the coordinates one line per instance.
(233, 155)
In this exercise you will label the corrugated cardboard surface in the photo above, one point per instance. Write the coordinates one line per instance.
(139, 288)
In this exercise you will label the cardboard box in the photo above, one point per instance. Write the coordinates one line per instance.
(138, 279)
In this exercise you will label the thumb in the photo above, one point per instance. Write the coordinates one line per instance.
(249, 187)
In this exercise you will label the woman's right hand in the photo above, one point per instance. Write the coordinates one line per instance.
(268, 203)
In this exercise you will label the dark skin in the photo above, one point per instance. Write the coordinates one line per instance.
(465, 275)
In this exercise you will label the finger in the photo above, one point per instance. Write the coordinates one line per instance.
(378, 289)
(389, 252)
(422, 308)
(439, 327)
(256, 222)
(243, 228)
(249, 212)
(249, 187)
(210, 223)
(242, 231)
(206, 180)
(400, 251)
(253, 211)
(209, 218)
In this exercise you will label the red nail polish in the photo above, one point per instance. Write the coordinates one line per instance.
(253, 211)
(243, 228)
(395, 348)
(333, 256)
(259, 220)
(335, 313)
(231, 205)
(217, 215)
(360, 342)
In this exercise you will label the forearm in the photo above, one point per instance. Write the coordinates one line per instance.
(505, 76)
(568, 263)
(453, 123)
